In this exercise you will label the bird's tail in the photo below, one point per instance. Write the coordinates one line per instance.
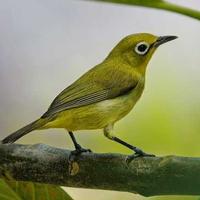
(23, 131)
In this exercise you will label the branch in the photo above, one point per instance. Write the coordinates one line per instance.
(159, 4)
(169, 175)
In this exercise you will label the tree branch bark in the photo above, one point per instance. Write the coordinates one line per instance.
(150, 176)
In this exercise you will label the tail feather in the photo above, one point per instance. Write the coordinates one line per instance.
(23, 131)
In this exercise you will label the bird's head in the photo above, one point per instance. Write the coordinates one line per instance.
(137, 49)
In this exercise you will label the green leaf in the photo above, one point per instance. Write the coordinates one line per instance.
(159, 4)
(14, 190)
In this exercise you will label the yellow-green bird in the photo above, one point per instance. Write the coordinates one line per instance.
(103, 95)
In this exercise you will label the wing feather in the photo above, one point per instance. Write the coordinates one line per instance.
(92, 90)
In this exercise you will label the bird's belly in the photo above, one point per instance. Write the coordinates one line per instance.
(98, 115)
(94, 116)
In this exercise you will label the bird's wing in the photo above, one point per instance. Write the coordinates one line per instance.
(93, 87)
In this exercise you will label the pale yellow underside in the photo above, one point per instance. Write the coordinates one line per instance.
(98, 115)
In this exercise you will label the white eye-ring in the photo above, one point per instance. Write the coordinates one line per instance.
(141, 48)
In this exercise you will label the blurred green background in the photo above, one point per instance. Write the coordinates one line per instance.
(46, 44)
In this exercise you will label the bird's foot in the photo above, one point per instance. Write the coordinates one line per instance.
(138, 153)
(73, 164)
(79, 150)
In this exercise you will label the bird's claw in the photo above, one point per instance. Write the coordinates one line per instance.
(79, 150)
(138, 154)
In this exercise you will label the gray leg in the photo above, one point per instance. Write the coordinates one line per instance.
(78, 149)
(108, 132)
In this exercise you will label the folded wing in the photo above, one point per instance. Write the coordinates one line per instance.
(91, 88)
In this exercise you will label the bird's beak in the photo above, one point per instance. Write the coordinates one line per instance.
(164, 39)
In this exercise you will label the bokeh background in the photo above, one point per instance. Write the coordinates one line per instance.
(46, 44)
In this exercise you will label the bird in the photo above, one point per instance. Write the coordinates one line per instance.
(103, 95)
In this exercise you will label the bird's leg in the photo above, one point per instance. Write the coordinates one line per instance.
(138, 152)
(78, 149)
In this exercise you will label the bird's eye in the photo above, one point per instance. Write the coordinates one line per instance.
(141, 48)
